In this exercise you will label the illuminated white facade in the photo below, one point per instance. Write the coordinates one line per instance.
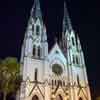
(56, 74)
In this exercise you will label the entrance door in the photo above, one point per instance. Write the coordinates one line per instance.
(35, 97)
(59, 97)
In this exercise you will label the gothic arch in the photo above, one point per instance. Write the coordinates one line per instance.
(80, 98)
(35, 97)
(37, 30)
(34, 50)
(59, 97)
(73, 41)
(39, 51)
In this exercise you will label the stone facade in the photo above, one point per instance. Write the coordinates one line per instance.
(56, 74)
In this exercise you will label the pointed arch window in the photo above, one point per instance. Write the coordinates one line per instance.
(78, 81)
(73, 59)
(35, 74)
(63, 83)
(73, 42)
(59, 97)
(37, 30)
(60, 82)
(35, 97)
(80, 98)
(33, 28)
(52, 83)
(39, 51)
(55, 82)
(34, 50)
(77, 60)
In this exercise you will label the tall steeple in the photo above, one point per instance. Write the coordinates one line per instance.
(66, 28)
(35, 35)
(36, 10)
(66, 20)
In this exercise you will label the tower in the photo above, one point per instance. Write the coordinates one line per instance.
(56, 74)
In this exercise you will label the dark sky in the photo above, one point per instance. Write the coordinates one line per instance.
(85, 17)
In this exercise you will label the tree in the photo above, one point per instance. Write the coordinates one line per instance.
(10, 78)
(1, 78)
(98, 98)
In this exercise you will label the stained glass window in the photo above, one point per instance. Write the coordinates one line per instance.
(73, 42)
(36, 74)
(37, 30)
(34, 50)
(39, 51)
(77, 60)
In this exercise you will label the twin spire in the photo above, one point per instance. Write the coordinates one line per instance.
(36, 13)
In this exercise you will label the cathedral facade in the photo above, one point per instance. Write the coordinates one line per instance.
(55, 74)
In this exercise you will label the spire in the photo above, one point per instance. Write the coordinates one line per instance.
(66, 20)
(36, 10)
(66, 29)
(44, 35)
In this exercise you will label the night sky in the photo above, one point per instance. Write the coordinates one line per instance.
(85, 17)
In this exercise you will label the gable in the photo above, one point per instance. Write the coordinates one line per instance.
(56, 54)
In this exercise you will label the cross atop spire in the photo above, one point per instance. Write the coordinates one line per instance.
(36, 10)
(66, 20)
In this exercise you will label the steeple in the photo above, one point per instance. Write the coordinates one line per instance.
(66, 30)
(66, 20)
(35, 40)
(45, 75)
(36, 10)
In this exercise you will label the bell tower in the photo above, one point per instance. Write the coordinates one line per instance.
(34, 51)
(38, 31)
(71, 47)
(35, 41)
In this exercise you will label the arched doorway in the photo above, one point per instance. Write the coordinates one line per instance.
(80, 98)
(35, 97)
(59, 97)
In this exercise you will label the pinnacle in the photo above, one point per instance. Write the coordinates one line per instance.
(36, 10)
